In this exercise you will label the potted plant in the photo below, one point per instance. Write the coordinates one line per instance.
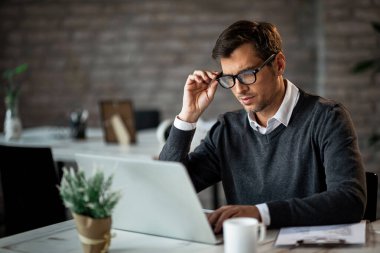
(91, 203)
(374, 65)
(12, 123)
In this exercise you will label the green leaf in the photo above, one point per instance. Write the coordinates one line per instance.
(363, 66)
(9, 73)
(376, 26)
(21, 68)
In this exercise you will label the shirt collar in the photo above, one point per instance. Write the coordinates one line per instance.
(285, 110)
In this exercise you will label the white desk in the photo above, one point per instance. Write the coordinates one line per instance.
(64, 148)
(63, 238)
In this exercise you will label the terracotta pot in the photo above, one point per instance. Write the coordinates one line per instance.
(94, 234)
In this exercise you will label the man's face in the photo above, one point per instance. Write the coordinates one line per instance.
(261, 96)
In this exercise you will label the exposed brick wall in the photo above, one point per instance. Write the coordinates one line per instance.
(350, 39)
(81, 51)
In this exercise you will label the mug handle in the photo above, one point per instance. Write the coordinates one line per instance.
(262, 230)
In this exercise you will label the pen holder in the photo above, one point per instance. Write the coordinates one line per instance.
(78, 123)
(78, 130)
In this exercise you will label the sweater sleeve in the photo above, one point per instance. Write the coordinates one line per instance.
(202, 164)
(344, 200)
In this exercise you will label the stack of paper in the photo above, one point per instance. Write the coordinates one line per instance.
(319, 235)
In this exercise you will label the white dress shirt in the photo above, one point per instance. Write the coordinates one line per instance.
(282, 116)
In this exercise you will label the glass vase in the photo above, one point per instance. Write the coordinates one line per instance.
(12, 122)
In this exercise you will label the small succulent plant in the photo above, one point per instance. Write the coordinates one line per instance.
(90, 196)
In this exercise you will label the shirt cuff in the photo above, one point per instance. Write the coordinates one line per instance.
(183, 125)
(264, 212)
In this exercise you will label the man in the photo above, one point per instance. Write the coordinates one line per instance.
(288, 159)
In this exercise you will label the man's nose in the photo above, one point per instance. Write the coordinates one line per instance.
(239, 87)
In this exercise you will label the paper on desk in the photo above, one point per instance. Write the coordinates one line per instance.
(350, 233)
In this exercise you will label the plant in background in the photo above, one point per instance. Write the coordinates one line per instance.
(90, 196)
(12, 122)
(12, 88)
(374, 65)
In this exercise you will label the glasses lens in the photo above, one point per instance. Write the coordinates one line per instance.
(226, 81)
(247, 77)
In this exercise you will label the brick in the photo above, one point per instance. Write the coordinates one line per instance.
(370, 42)
(74, 22)
(348, 55)
(35, 37)
(369, 14)
(9, 11)
(83, 35)
(347, 28)
(86, 8)
(39, 23)
(334, 68)
(15, 37)
(343, 4)
(338, 13)
(13, 52)
(46, 9)
(7, 25)
(336, 41)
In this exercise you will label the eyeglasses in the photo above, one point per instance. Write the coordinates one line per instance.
(245, 77)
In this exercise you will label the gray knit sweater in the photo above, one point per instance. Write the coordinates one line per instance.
(308, 173)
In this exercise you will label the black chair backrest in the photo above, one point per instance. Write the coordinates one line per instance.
(29, 182)
(145, 119)
(371, 208)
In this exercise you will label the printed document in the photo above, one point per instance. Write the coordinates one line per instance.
(332, 234)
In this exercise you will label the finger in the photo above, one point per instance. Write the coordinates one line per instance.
(224, 216)
(189, 80)
(194, 79)
(212, 88)
(207, 76)
(203, 75)
(212, 74)
(213, 217)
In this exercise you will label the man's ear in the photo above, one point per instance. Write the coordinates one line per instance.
(279, 64)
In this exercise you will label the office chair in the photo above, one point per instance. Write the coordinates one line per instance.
(145, 119)
(372, 183)
(29, 182)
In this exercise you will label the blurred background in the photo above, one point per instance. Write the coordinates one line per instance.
(81, 51)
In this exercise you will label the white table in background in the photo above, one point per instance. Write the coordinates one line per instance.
(64, 147)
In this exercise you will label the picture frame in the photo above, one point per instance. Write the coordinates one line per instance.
(122, 108)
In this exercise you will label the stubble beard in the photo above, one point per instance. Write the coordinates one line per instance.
(257, 108)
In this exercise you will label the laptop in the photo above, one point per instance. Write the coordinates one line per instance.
(158, 198)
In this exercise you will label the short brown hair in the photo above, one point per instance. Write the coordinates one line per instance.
(263, 36)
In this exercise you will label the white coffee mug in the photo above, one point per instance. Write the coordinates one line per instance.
(240, 235)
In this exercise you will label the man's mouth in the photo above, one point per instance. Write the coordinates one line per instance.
(247, 99)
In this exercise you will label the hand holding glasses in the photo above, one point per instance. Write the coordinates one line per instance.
(245, 77)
